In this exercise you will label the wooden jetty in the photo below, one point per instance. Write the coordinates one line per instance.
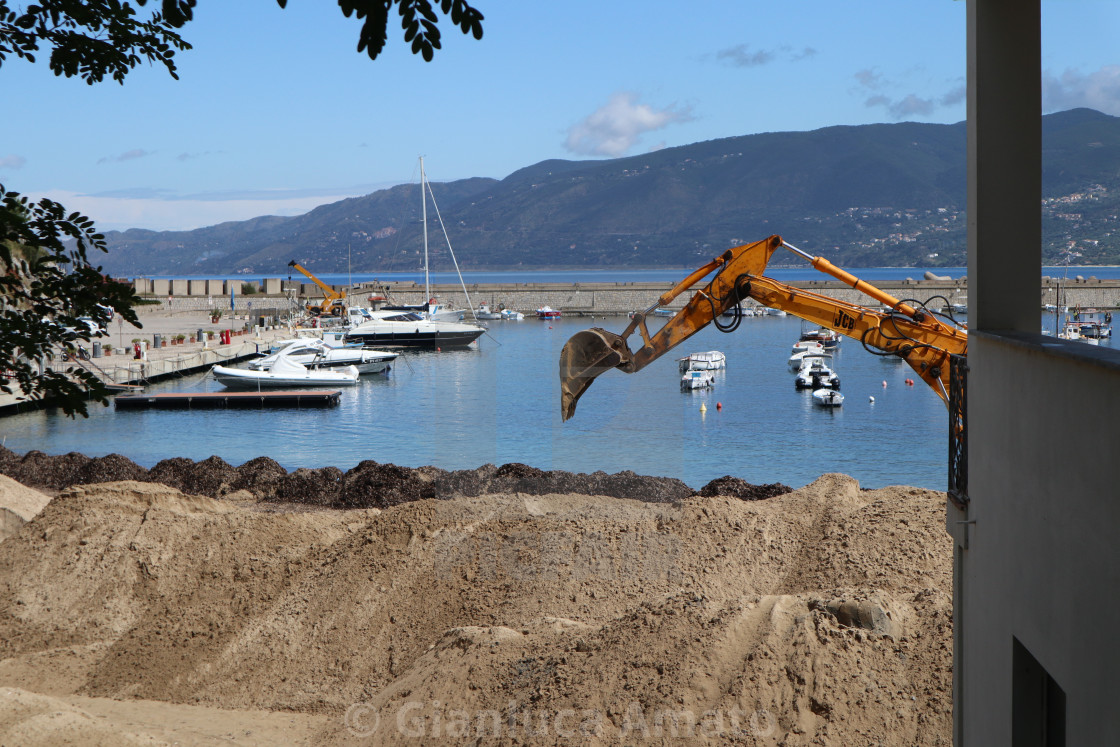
(211, 400)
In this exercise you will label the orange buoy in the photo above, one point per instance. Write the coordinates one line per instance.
(719, 405)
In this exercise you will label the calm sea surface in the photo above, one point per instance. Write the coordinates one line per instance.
(500, 403)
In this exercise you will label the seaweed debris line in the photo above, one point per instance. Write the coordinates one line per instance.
(401, 606)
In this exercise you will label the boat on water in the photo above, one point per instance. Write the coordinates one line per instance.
(798, 358)
(826, 337)
(407, 329)
(547, 312)
(711, 360)
(433, 309)
(318, 355)
(284, 373)
(774, 312)
(815, 374)
(509, 315)
(484, 313)
(808, 345)
(697, 379)
(1093, 324)
(828, 398)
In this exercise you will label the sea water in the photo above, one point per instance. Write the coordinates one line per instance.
(499, 402)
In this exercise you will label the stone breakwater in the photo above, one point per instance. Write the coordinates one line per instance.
(606, 299)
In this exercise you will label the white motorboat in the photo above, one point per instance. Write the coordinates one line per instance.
(317, 355)
(774, 312)
(828, 398)
(815, 374)
(697, 380)
(284, 373)
(483, 312)
(799, 358)
(826, 337)
(509, 315)
(709, 361)
(406, 329)
(802, 345)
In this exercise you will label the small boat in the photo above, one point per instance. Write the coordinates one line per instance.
(284, 373)
(697, 380)
(808, 345)
(483, 312)
(509, 315)
(774, 312)
(826, 337)
(816, 375)
(828, 398)
(709, 361)
(318, 355)
(799, 358)
(663, 312)
(547, 312)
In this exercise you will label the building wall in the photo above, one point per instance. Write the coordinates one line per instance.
(1037, 567)
(1042, 563)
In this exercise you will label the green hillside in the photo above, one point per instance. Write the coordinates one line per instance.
(884, 194)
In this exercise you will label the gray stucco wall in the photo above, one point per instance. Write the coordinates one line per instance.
(1042, 563)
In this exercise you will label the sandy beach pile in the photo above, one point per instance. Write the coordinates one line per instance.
(134, 612)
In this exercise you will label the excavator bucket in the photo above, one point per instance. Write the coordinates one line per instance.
(586, 355)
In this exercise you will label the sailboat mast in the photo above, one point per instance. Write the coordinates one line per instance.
(424, 213)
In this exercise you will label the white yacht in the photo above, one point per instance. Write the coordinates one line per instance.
(316, 354)
(406, 329)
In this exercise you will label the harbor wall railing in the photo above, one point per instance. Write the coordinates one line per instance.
(620, 298)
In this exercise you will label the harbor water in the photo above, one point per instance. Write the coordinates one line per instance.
(499, 402)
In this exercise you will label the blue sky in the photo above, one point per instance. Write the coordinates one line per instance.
(275, 112)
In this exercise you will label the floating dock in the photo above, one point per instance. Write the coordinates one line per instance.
(211, 400)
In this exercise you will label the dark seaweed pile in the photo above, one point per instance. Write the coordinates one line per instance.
(741, 489)
(368, 485)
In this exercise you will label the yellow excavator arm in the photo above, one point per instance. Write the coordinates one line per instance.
(334, 302)
(922, 338)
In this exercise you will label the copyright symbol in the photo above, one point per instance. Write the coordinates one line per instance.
(362, 719)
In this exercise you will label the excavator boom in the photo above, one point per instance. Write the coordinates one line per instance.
(923, 339)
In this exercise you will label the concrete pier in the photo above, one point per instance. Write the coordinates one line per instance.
(607, 299)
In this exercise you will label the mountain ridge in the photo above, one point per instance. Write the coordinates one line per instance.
(878, 194)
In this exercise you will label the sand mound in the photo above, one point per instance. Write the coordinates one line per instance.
(18, 505)
(819, 616)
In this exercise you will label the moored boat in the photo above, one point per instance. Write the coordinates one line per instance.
(828, 398)
(709, 361)
(693, 379)
(547, 312)
(317, 355)
(405, 329)
(283, 373)
(486, 314)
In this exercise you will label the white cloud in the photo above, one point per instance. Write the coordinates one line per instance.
(12, 162)
(1098, 90)
(615, 128)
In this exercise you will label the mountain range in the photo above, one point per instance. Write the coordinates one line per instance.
(867, 195)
